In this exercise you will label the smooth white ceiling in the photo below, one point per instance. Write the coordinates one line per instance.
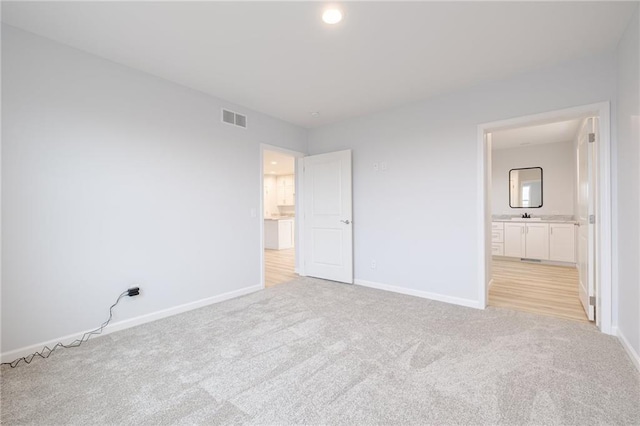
(285, 164)
(281, 59)
(562, 131)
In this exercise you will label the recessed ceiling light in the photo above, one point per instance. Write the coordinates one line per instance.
(332, 16)
(315, 114)
(274, 162)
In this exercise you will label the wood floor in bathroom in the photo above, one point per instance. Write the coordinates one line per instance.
(279, 266)
(540, 289)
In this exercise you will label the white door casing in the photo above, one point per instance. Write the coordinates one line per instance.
(586, 209)
(328, 218)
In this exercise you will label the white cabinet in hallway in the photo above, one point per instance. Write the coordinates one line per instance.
(562, 242)
(286, 190)
(526, 240)
(278, 233)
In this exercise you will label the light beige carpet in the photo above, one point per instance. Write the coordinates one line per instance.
(314, 352)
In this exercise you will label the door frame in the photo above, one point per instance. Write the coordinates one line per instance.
(298, 208)
(603, 230)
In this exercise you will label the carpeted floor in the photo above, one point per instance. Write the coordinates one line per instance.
(316, 352)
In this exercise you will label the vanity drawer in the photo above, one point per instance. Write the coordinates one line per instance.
(497, 236)
(497, 225)
(497, 249)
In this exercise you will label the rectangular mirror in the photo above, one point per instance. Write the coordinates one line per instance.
(525, 188)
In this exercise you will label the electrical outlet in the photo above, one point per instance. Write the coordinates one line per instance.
(374, 265)
(383, 166)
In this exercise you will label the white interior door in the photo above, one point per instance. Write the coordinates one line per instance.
(328, 228)
(586, 210)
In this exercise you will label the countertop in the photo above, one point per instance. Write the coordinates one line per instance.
(542, 219)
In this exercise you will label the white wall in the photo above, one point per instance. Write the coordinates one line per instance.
(628, 181)
(558, 177)
(112, 177)
(418, 219)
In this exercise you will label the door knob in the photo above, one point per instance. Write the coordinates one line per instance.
(346, 222)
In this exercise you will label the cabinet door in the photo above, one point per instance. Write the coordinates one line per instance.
(285, 234)
(280, 195)
(289, 196)
(271, 234)
(514, 239)
(537, 241)
(562, 242)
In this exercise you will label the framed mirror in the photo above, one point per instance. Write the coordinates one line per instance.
(525, 188)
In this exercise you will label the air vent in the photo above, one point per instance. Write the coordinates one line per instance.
(234, 118)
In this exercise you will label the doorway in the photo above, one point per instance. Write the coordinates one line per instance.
(307, 230)
(534, 256)
(279, 211)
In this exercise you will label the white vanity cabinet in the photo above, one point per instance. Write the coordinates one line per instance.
(535, 240)
(562, 242)
(514, 242)
(536, 237)
(526, 240)
(497, 238)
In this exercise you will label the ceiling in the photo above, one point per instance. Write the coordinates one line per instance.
(285, 164)
(562, 131)
(279, 58)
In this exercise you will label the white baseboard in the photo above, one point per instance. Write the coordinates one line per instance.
(635, 357)
(419, 293)
(131, 322)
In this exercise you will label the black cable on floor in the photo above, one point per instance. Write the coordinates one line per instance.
(46, 351)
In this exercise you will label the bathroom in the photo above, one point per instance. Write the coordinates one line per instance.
(541, 194)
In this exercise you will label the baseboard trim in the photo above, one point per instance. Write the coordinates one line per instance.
(419, 293)
(132, 322)
(635, 357)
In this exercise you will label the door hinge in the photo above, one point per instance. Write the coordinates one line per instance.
(592, 301)
(592, 137)
(592, 219)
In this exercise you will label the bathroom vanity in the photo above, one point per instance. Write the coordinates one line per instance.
(536, 239)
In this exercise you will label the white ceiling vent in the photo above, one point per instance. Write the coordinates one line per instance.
(234, 118)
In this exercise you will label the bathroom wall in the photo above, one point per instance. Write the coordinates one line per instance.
(558, 185)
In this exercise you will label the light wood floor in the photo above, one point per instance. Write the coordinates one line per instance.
(540, 289)
(279, 266)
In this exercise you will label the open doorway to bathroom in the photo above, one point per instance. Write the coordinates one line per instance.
(543, 190)
(534, 219)
(279, 212)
